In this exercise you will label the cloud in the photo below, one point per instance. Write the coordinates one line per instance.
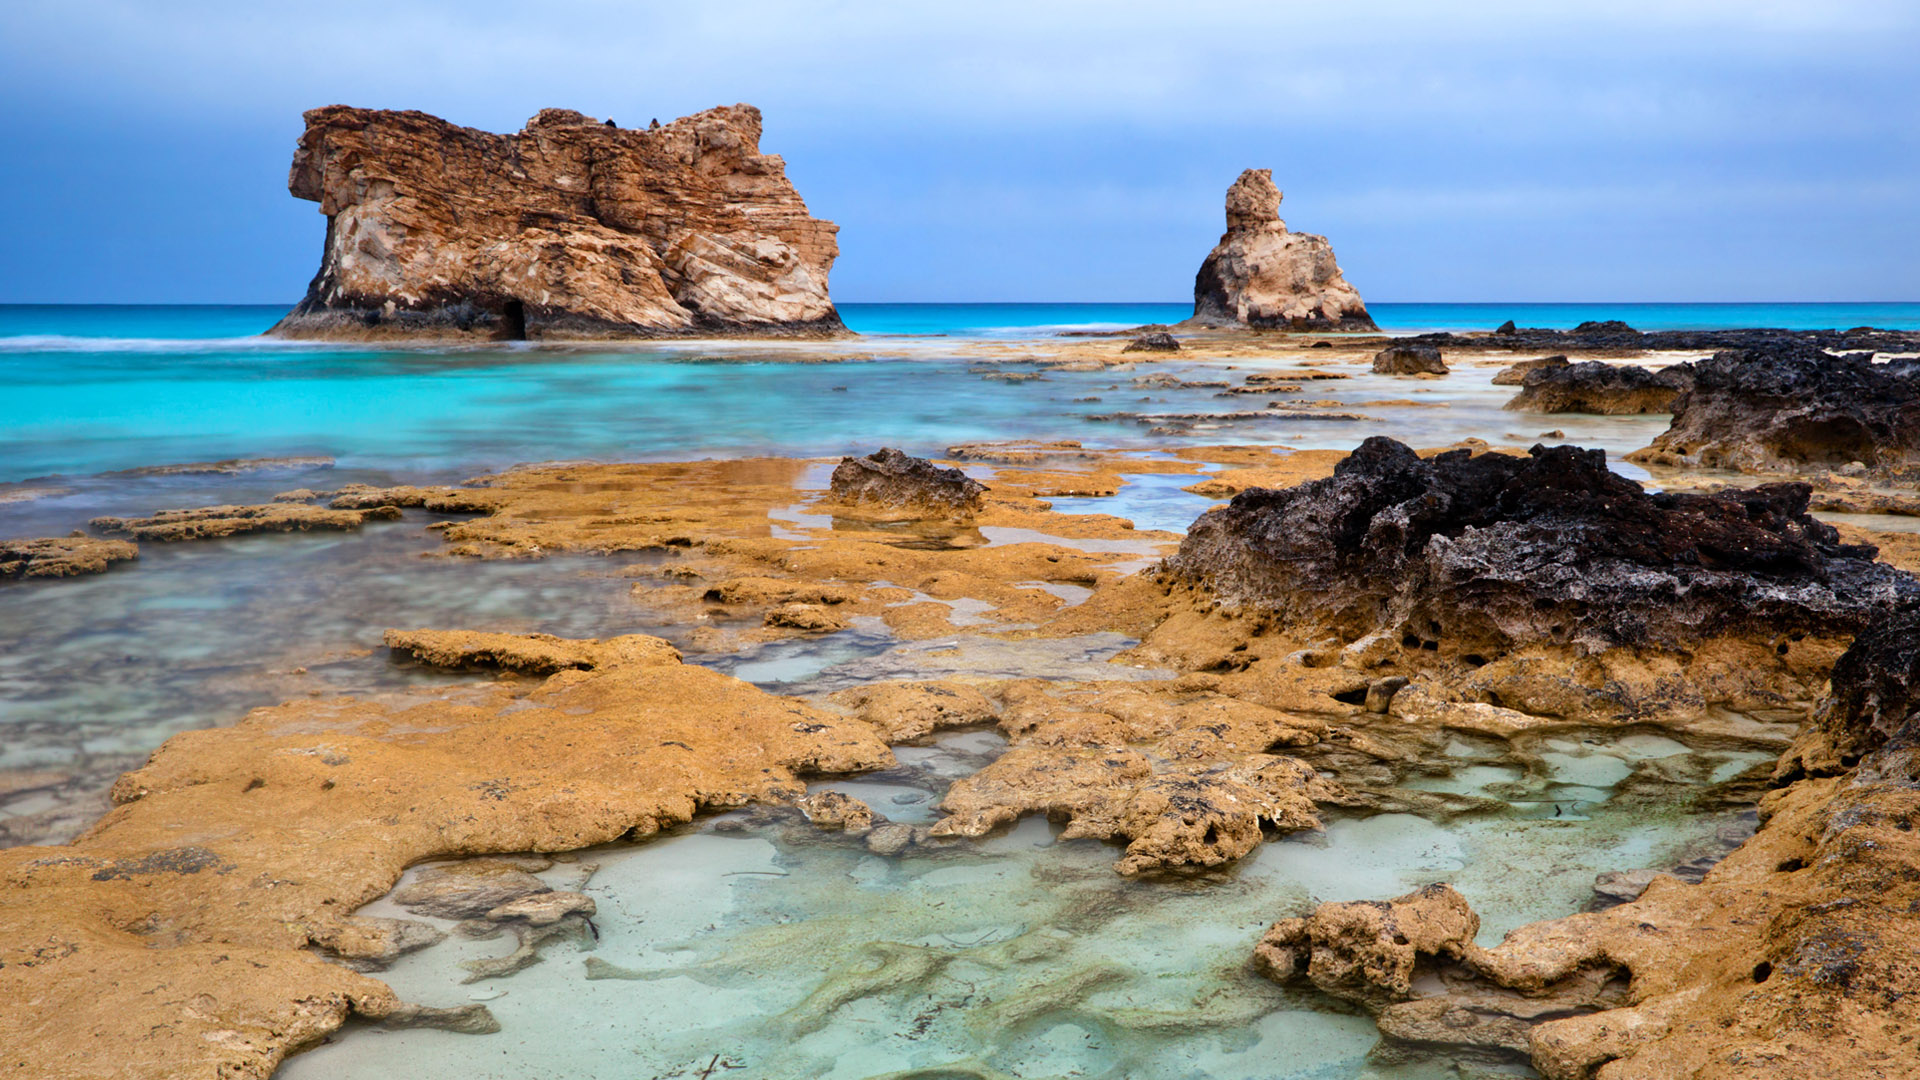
(1107, 129)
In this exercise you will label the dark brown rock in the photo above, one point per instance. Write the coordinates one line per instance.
(1409, 359)
(897, 481)
(1791, 407)
(1479, 555)
(1594, 387)
(1162, 342)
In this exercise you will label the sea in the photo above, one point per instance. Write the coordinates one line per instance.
(93, 389)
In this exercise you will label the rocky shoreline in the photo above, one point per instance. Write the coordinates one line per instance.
(1313, 651)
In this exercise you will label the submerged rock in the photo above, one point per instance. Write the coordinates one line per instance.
(1794, 406)
(214, 522)
(1595, 387)
(1480, 555)
(1262, 276)
(61, 556)
(897, 481)
(1409, 359)
(1187, 779)
(569, 229)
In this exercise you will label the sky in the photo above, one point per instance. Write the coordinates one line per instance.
(1508, 150)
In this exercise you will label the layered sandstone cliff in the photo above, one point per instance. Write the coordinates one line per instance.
(1263, 276)
(570, 229)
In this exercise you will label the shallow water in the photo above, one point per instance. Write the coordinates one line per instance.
(785, 952)
(97, 671)
(92, 389)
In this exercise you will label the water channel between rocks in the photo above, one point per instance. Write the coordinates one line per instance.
(780, 951)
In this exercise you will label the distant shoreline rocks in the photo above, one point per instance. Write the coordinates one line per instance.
(569, 230)
(1264, 277)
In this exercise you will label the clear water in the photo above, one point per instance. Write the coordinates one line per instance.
(93, 389)
(97, 671)
(791, 953)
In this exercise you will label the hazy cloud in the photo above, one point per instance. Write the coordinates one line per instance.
(1493, 150)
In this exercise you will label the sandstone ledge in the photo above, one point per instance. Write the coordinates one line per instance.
(173, 938)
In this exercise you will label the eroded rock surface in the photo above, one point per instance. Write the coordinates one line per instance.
(1480, 555)
(1409, 359)
(61, 556)
(569, 229)
(1595, 387)
(1516, 374)
(1186, 778)
(177, 931)
(1793, 407)
(214, 522)
(893, 480)
(528, 654)
(1262, 276)
(1792, 957)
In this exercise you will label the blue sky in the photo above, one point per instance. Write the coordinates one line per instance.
(1505, 151)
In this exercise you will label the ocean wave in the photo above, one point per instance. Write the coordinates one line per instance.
(81, 343)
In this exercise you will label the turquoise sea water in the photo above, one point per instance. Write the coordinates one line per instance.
(93, 389)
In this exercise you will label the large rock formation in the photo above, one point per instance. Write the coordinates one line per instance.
(1263, 276)
(570, 229)
(1482, 555)
(1791, 406)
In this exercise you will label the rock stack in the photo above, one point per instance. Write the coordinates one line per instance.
(1262, 276)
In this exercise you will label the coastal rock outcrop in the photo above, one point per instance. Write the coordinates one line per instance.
(178, 933)
(1262, 276)
(1186, 779)
(1481, 555)
(1596, 387)
(1516, 374)
(1410, 359)
(61, 556)
(894, 480)
(570, 229)
(1791, 957)
(1794, 406)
